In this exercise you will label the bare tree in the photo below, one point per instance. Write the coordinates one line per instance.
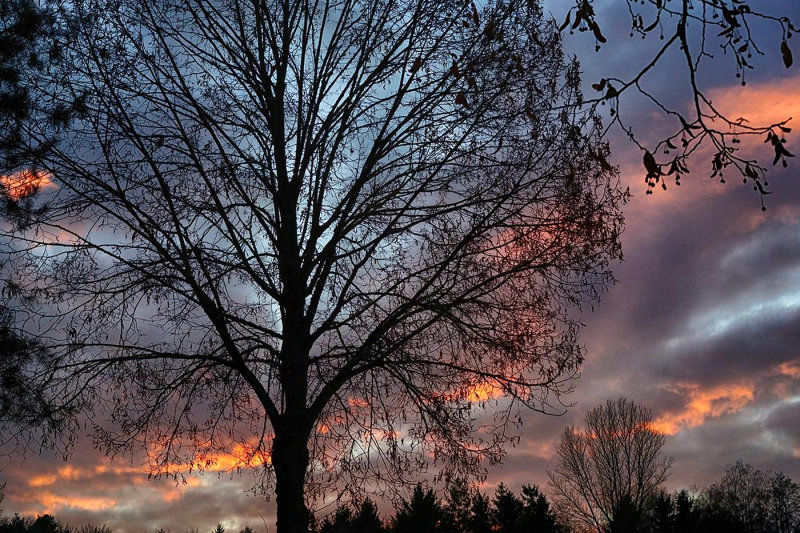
(784, 503)
(320, 235)
(753, 500)
(615, 462)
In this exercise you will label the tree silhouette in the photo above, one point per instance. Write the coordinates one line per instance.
(30, 43)
(663, 513)
(421, 514)
(457, 507)
(536, 513)
(742, 496)
(507, 510)
(784, 504)
(46, 523)
(480, 518)
(22, 26)
(685, 513)
(609, 472)
(321, 237)
(367, 519)
(21, 406)
(342, 521)
(751, 500)
(626, 517)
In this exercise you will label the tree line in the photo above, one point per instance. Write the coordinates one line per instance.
(745, 500)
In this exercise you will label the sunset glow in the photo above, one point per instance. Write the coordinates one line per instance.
(25, 183)
(702, 404)
(790, 369)
(483, 392)
(51, 502)
(761, 103)
(240, 456)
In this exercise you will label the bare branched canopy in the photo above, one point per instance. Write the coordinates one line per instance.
(614, 462)
(321, 234)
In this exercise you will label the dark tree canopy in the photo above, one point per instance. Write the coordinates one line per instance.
(610, 471)
(31, 40)
(752, 500)
(339, 238)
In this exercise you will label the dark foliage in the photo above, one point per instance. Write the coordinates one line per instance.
(423, 513)
(364, 520)
(626, 517)
(536, 514)
(45, 523)
(30, 44)
(23, 407)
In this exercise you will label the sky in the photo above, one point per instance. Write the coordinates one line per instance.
(702, 327)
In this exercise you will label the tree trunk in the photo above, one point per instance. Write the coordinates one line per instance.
(290, 460)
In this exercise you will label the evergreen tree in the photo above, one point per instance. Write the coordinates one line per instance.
(480, 519)
(367, 519)
(421, 514)
(46, 524)
(16, 524)
(537, 516)
(685, 519)
(457, 508)
(663, 515)
(342, 521)
(627, 517)
(507, 510)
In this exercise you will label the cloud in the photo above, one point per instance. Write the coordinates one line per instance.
(702, 404)
(763, 102)
(702, 326)
(91, 488)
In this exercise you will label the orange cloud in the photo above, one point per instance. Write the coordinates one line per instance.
(25, 183)
(176, 493)
(703, 404)
(357, 402)
(50, 503)
(790, 369)
(761, 103)
(42, 481)
(73, 473)
(236, 456)
(483, 391)
(478, 392)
